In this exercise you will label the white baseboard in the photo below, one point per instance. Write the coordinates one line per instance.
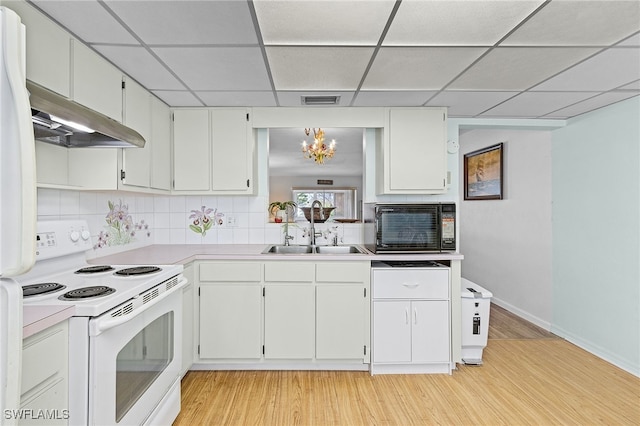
(522, 314)
(596, 350)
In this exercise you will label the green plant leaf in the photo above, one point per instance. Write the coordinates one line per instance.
(196, 229)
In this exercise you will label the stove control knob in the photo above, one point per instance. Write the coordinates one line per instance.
(86, 235)
(74, 236)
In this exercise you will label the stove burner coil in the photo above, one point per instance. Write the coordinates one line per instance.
(41, 288)
(87, 292)
(138, 270)
(94, 269)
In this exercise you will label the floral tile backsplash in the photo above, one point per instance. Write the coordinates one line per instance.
(123, 221)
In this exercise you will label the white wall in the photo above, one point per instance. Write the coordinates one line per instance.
(507, 243)
(596, 234)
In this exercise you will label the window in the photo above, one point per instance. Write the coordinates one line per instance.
(343, 199)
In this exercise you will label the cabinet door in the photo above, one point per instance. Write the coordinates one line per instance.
(391, 331)
(191, 157)
(415, 151)
(340, 321)
(96, 83)
(430, 332)
(52, 167)
(160, 145)
(48, 49)
(93, 168)
(231, 150)
(137, 115)
(230, 321)
(289, 321)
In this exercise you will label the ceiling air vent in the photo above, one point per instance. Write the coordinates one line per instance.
(320, 100)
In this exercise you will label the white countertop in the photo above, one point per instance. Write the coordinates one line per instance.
(163, 254)
(38, 318)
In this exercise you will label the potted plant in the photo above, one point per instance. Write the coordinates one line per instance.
(278, 209)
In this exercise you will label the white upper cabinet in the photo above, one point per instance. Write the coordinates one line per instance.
(213, 151)
(48, 49)
(232, 150)
(137, 115)
(191, 155)
(412, 156)
(96, 83)
(160, 145)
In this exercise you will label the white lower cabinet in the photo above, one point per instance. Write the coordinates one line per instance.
(289, 321)
(411, 321)
(45, 385)
(283, 314)
(230, 320)
(342, 326)
(411, 331)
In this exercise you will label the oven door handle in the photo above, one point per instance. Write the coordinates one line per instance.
(100, 325)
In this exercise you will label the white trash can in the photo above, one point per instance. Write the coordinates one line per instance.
(476, 302)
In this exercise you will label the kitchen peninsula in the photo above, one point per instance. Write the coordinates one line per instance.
(292, 311)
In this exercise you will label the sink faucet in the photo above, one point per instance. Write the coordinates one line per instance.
(287, 237)
(312, 232)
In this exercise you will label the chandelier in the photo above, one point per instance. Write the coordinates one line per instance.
(319, 150)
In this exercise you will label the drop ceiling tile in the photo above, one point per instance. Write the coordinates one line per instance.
(293, 99)
(579, 23)
(142, 66)
(518, 68)
(631, 86)
(217, 68)
(591, 104)
(393, 98)
(322, 22)
(450, 23)
(318, 68)
(188, 22)
(418, 68)
(535, 104)
(88, 20)
(178, 98)
(631, 41)
(468, 104)
(239, 98)
(605, 71)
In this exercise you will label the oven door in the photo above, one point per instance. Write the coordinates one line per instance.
(133, 362)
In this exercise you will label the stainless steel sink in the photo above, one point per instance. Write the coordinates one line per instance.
(338, 250)
(282, 249)
(288, 250)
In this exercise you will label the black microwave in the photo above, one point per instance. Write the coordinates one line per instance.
(410, 228)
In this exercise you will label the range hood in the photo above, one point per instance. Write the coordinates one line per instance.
(51, 114)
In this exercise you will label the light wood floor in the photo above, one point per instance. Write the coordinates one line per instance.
(529, 377)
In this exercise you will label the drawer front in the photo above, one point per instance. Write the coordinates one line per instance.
(51, 344)
(342, 272)
(411, 284)
(289, 272)
(230, 272)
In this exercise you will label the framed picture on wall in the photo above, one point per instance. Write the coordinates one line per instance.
(483, 173)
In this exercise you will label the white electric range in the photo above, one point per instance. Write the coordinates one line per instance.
(124, 338)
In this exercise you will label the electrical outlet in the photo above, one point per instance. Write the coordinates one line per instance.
(231, 221)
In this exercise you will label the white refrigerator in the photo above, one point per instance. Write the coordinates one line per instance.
(17, 205)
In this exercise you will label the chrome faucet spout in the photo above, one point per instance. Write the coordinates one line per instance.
(287, 237)
(312, 232)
